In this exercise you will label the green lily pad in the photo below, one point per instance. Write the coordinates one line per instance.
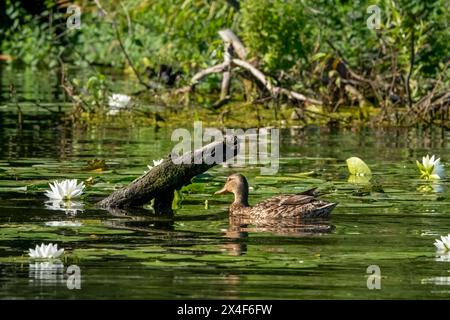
(358, 167)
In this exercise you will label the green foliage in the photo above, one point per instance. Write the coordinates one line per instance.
(280, 33)
(277, 31)
(92, 94)
(343, 24)
(187, 29)
(308, 45)
(31, 39)
(178, 33)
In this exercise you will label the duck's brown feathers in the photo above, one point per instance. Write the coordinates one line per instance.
(304, 204)
(301, 205)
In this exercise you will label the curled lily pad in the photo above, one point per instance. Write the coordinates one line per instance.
(358, 167)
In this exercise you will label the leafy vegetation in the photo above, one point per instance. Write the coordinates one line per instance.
(325, 49)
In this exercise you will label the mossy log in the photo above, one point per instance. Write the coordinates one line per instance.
(161, 181)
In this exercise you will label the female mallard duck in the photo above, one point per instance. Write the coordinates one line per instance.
(303, 204)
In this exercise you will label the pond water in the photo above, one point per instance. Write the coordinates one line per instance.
(390, 221)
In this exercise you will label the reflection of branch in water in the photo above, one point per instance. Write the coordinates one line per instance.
(139, 219)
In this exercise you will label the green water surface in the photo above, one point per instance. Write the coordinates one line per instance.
(390, 222)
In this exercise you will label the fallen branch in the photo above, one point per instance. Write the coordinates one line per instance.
(226, 78)
(232, 44)
(161, 181)
(274, 90)
(228, 36)
(411, 66)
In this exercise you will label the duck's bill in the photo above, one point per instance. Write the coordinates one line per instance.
(221, 191)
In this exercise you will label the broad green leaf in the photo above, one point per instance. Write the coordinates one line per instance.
(357, 167)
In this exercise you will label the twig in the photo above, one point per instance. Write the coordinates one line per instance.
(130, 28)
(354, 74)
(122, 47)
(226, 78)
(274, 90)
(228, 36)
(221, 102)
(99, 6)
(218, 68)
(130, 62)
(422, 106)
(326, 116)
(411, 66)
(45, 108)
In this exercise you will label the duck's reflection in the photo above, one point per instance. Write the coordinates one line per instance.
(241, 226)
(235, 233)
(231, 286)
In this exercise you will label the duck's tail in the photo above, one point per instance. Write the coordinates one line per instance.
(323, 211)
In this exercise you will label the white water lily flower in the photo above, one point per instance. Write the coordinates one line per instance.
(119, 101)
(155, 163)
(65, 190)
(44, 251)
(430, 168)
(443, 244)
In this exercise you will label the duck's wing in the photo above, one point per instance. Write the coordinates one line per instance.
(301, 204)
(296, 199)
(291, 199)
(286, 200)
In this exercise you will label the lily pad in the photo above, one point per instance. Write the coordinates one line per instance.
(358, 167)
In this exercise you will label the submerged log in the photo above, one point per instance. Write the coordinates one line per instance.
(173, 173)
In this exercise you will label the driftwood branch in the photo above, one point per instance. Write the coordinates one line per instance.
(218, 68)
(228, 36)
(274, 90)
(411, 66)
(174, 172)
(233, 45)
(226, 78)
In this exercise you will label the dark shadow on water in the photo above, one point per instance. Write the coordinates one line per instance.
(139, 219)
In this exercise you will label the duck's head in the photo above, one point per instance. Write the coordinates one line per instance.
(238, 185)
